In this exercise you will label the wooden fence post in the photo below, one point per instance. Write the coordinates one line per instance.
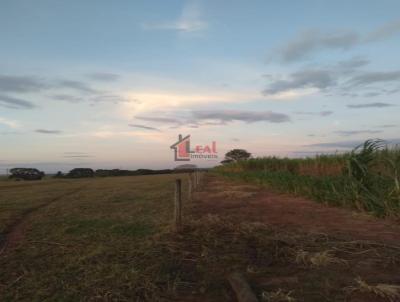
(241, 288)
(178, 205)
(190, 185)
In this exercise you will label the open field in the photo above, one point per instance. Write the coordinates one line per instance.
(111, 239)
(84, 239)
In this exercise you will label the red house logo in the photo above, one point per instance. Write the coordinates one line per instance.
(183, 151)
(182, 148)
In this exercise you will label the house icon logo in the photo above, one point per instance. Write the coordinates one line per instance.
(182, 148)
(183, 151)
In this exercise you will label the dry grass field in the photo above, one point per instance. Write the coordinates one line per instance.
(71, 240)
(112, 239)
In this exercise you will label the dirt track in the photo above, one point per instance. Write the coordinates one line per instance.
(14, 232)
(252, 203)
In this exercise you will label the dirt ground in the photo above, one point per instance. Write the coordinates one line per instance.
(293, 213)
(362, 252)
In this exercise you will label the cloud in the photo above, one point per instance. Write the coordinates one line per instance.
(30, 84)
(15, 103)
(182, 97)
(309, 78)
(312, 41)
(371, 94)
(356, 132)
(352, 64)
(68, 98)
(241, 115)
(349, 144)
(9, 123)
(385, 31)
(163, 120)
(341, 144)
(143, 127)
(103, 76)
(344, 78)
(76, 85)
(74, 153)
(369, 105)
(317, 152)
(110, 98)
(387, 126)
(198, 118)
(20, 84)
(77, 155)
(189, 21)
(321, 113)
(375, 77)
(44, 131)
(9, 132)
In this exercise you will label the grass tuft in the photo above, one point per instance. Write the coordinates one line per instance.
(318, 259)
(385, 291)
(277, 296)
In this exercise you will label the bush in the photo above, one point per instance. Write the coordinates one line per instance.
(26, 174)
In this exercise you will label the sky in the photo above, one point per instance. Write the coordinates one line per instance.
(111, 84)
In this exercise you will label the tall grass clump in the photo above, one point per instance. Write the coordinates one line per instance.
(366, 179)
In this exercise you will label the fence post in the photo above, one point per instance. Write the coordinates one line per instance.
(195, 180)
(241, 288)
(178, 205)
(190, 185)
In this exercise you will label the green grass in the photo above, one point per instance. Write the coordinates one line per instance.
(18, 198)
(96, 244)
(366, 179)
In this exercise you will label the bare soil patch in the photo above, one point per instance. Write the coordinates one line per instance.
(291, 212)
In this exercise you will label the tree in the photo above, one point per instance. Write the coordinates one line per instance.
(80, 173)
(236, 155)
(26, 174)
(59, 174)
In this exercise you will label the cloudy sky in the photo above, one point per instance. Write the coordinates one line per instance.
(107, 84)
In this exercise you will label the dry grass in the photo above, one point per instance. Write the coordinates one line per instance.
(318, 259)
(277, 296)
(385, 291)
(20, 197)
(97, 244)
(113, 241)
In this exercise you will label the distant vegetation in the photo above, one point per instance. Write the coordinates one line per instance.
(26, 174)
(236, 155)
(367, 179)
(80, 173)
(35, 174)
(86, 172)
